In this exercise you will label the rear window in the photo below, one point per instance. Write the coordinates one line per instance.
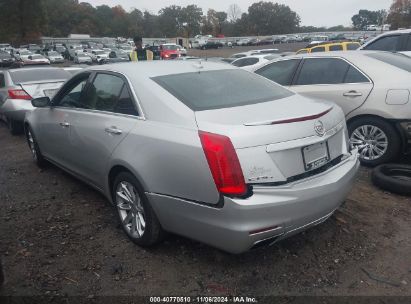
(400, 61)
(220, 89)
(36, 74)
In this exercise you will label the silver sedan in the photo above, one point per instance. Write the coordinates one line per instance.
(203, 150)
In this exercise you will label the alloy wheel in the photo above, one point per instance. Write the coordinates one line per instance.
(130, 209)
(371, 141)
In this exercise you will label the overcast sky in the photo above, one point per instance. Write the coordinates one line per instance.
(312, 12)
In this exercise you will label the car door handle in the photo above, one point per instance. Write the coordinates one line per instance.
(352, 94)
(113, 130)
(65, 124)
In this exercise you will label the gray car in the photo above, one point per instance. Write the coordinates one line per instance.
(203, 150)
(19, 86)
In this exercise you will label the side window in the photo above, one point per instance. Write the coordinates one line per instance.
(281, 72)
(125, 104)
(318, 49)
(2, 81)
(71, 97)
(354, 76)
(103, 93)
(302, 51)
(245, 62)
(322, 71)
(336, 47)
(352, 46)
(388, 43)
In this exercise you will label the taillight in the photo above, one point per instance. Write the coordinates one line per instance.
(19, 94)
(224, 164)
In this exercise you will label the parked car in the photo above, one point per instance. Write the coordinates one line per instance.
(183, 51)
(73, 50)
(4, 46)
(156, 51)
(54, 57)
(82, 57)
(98, 55)
(6, 60)
(169, 51)
(212, 45)
(248, 163)
(243, 42)
(21, 54)
(331, 47)
(34, 59)
(116, 56)
(395, 41)
(60, 49)
(34, 48)
(250, 62)
(19, 86)
(373, 89)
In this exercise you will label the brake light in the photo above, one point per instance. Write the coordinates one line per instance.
(224, 164)
(19, 94)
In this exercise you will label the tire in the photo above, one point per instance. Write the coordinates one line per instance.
(137, 219)
(380, 137)
(15, 127)
(395, 178)
(34, 148)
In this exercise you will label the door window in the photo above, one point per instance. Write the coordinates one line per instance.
(322, 71)
(125, 104)
(72, 94)
(318, 49)
(336, 47)
(388, 43)
(408, 46)
(104, 92)
(281, 72)
(354, 76)
(2, 82)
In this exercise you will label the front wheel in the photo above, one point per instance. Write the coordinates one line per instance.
(34, 148)
(376, 140)
(136, 216)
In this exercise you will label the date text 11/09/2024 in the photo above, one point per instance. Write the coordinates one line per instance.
(205, 299)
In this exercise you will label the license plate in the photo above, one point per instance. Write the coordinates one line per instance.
(316, 156)
(50, 93)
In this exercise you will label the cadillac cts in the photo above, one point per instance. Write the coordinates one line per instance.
(204, 150)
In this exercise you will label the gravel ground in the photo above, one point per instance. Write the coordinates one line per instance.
(60, 237)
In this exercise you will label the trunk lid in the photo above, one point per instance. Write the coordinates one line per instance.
(42, 89)
(276, 141)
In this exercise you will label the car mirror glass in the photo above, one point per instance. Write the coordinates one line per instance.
(41, 102)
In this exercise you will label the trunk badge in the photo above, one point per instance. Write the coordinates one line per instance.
(319, 128)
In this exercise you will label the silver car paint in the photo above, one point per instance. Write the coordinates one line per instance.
(163, 150)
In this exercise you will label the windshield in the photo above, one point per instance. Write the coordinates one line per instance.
(220, 89)
(32, 75)
(37, 57)
(54, 54)
(400, 61)
(170, 47)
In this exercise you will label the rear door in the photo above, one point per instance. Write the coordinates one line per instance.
(333, 79)
(103, 120)
(407, 45)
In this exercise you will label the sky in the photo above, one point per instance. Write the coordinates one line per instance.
(312, 12)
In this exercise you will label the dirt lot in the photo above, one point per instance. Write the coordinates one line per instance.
(59, 237)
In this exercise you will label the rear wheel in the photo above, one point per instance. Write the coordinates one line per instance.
(376, 140)
(136, 216)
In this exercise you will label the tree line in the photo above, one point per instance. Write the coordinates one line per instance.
(28, 20)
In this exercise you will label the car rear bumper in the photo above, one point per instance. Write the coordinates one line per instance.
(16, 109)
(270, 214)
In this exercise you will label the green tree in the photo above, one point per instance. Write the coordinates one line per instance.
(400, 14)
(266, 18)
(365, 17)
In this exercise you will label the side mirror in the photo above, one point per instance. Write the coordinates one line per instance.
(41, 102)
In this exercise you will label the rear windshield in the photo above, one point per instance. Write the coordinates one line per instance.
(36, 74)
(221, 89)
(400, 61)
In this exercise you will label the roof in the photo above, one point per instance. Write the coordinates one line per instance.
(149, 69)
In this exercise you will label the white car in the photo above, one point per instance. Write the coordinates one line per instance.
(82, 57)
(250, 62)
(54, 57)
(373, 89)
(395, 41)
(34, 59)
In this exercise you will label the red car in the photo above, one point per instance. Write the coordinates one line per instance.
(169, 51)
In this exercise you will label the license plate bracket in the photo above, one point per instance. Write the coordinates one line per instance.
(316, 155)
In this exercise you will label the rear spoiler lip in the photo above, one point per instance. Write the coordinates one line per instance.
(290, 120)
